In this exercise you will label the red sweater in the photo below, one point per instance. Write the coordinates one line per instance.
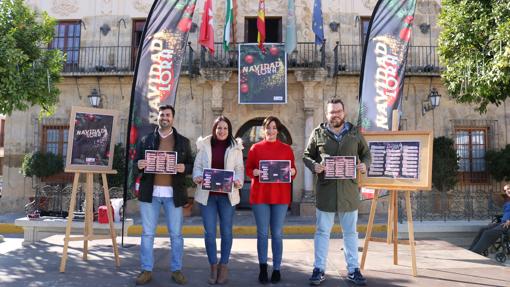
(268, 193)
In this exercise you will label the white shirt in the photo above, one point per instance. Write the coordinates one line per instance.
(163, 191)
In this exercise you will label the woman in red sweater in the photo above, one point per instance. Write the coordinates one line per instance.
(269, 200)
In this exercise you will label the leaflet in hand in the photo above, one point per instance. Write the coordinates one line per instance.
(340, 167)
(274, 171)
(218, 180)
(162, 162)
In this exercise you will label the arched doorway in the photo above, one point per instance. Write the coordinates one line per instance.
(251, 133)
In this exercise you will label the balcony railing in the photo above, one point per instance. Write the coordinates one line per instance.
(111, 60)
(420, 59)
(306, 55)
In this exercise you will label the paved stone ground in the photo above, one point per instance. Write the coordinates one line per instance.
(440, 263)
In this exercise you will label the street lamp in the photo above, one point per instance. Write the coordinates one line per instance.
(94, 98)
(431, 102)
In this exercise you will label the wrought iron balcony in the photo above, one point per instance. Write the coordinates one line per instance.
(120, 60)
(306, 55)
(420, 59)
(117, 60)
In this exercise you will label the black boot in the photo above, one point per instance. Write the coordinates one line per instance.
(263, 273)
(275, 276)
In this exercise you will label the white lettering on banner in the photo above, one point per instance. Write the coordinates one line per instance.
(386, 82)
(92, 133)
(160, 79)
(263, 69)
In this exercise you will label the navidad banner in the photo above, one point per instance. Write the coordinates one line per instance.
(262, 74)
(384, 61)
(157, 70)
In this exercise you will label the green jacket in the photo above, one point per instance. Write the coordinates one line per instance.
(334, 195)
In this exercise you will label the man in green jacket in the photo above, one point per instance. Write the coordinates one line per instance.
(336, 138)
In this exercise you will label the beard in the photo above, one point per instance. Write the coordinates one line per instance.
(336, 122)
(164, 124)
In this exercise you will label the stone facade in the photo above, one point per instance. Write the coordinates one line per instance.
(201, 98)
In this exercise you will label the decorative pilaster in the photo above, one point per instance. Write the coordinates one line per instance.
(216, 78)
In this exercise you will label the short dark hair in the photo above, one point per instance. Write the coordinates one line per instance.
(335, 101)
(270, 119)
(230, 138)
(166, 107)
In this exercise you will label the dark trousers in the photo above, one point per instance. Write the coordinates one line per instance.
(486, 237)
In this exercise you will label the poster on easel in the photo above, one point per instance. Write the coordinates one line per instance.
(401, 160)
(90, 142)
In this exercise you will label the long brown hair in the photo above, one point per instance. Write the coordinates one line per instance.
(230, 139)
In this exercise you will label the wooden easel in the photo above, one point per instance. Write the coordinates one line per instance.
(88, 231)
(392, 227)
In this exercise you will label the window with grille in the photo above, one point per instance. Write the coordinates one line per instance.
(471, 145)
(67, 39)
(54, 140)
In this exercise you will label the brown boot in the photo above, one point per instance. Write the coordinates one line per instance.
(214, 274)
(222, 274)
(144, 278)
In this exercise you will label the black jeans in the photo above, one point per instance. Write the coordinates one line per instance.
(486, 237)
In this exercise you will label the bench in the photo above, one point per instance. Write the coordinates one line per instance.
(38, 229)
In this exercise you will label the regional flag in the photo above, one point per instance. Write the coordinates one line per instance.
(384, 61)
(261, 24)
(291, 36)
(317, 26)
(227, 31)
(206, 37)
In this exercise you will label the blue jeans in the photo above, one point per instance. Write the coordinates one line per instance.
(270, 215)
(174, 219)
(217, 205)
(348, 221)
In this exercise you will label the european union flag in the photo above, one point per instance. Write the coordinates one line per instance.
(317, 22)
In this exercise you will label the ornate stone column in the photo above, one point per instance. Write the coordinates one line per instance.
(309, 79)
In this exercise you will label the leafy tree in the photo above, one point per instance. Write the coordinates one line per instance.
(474, 47)
(498, 164)
(445, 164)
(28, 70)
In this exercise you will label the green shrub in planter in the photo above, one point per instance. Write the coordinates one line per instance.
(41, 164)
(498, 164)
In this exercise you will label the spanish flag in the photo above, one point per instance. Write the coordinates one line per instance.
(261, 25)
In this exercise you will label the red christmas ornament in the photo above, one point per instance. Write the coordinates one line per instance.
(405, 34)
(248, 59)
(409, 19)
(184, 25)
(274, 51)
(133, 135)
(245, 88)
